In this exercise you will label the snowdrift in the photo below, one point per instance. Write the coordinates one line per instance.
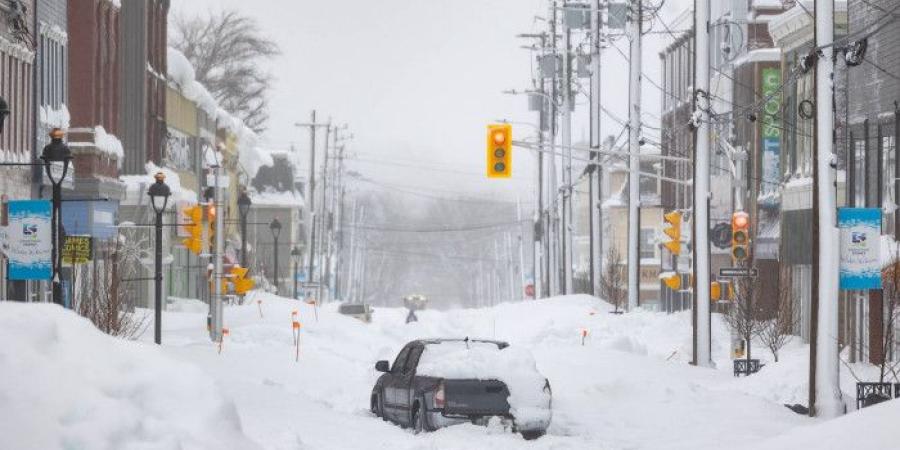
(68, 386)
(873, 428)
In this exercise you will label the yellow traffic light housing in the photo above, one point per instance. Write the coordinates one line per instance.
(673, 231)
(740, 236)
(715, 291)
(194, 215)
(499, 150)
(673, 281)
(239, 280)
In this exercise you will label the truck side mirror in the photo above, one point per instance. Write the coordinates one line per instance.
(383, 366)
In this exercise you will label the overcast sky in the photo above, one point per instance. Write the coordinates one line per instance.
(417, 80)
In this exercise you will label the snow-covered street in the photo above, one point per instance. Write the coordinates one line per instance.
(628, 387)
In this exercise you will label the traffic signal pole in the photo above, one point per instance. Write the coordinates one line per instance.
(702, 331)
(634, 147)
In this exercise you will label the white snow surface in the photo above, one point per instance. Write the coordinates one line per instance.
(514, 366)
(629, 386)
(68, 386)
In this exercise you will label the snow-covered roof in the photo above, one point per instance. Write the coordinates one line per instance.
(136, 185)
(181, 72)
(272, 198)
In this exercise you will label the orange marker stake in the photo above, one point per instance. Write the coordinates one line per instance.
(295, 328)
(584, 334)
(259, 304)
(222, 339)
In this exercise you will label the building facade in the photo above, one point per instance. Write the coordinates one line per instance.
(143, 102)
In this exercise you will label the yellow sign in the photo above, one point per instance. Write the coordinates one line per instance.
(77, 250)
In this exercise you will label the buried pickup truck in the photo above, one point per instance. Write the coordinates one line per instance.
(439, 382)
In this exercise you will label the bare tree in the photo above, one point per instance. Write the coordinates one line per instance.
(226, 50)
(102, 292)
(891, 289)
(777, 331)
(745, 315)
(612, 280)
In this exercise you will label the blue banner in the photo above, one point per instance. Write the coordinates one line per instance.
(860, 230)
(29, 240)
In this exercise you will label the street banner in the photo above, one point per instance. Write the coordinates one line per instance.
(29, 240)
(78, 250)
(860, 231)
(771, 134)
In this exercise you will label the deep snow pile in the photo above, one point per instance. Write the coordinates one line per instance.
(68, 386)
(529, 402)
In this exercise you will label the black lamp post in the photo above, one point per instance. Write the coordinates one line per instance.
(159, 193)
(243, 203)
(54, 152)
(296, 254)
(4, 111)
(275, 228)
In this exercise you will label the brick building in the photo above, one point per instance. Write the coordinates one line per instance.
(143, 102)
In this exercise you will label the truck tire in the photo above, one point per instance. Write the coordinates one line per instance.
(420, 417)
(378, 406)
(530, 435)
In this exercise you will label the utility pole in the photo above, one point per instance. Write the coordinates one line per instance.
(567, 151)
(553, 219)
(827, 374)
(702, 330)
(311, 195)
(634, 148)
(596, 222)
(323, 216)
(218, 254)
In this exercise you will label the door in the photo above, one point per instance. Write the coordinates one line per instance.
(406, 382)
(391, 386)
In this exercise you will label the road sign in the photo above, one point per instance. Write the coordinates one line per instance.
(738, 272)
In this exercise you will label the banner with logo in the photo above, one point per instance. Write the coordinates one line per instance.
(771, 135)
(860, 230)
(29, 240)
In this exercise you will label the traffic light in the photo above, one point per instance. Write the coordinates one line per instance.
(715, 291)
(673, 231)
(194, 215)
(211, 221)
(239, 280)
(740, 236)
(499, 150)
(673, 281)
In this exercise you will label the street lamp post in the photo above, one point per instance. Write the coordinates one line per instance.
(244, 203)
(159, 193)
(56, 152)
(275, 228)
(295, 257)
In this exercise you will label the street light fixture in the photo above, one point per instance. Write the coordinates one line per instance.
(243, 203)
(275, 228)
(55, 152)
(159, 193)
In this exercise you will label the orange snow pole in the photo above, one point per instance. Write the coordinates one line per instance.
(222, 339)
(584, 335)
(295, 328)
(259, 304)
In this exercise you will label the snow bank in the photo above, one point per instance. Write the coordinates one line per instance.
(514, 366)
(873, 428)
(68, 386)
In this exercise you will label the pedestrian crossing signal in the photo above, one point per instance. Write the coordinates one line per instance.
(499, 150)
(239, 280)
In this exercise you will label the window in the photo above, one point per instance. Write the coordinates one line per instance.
(412, 360)
(648, 243)
(889, 174)
(400, 362)
(859, 172)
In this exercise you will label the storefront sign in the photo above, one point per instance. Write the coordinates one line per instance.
(78, 250)
(771, 134)
(29, 240)
(860, 230)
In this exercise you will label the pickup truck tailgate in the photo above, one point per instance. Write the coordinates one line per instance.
(476, 397)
